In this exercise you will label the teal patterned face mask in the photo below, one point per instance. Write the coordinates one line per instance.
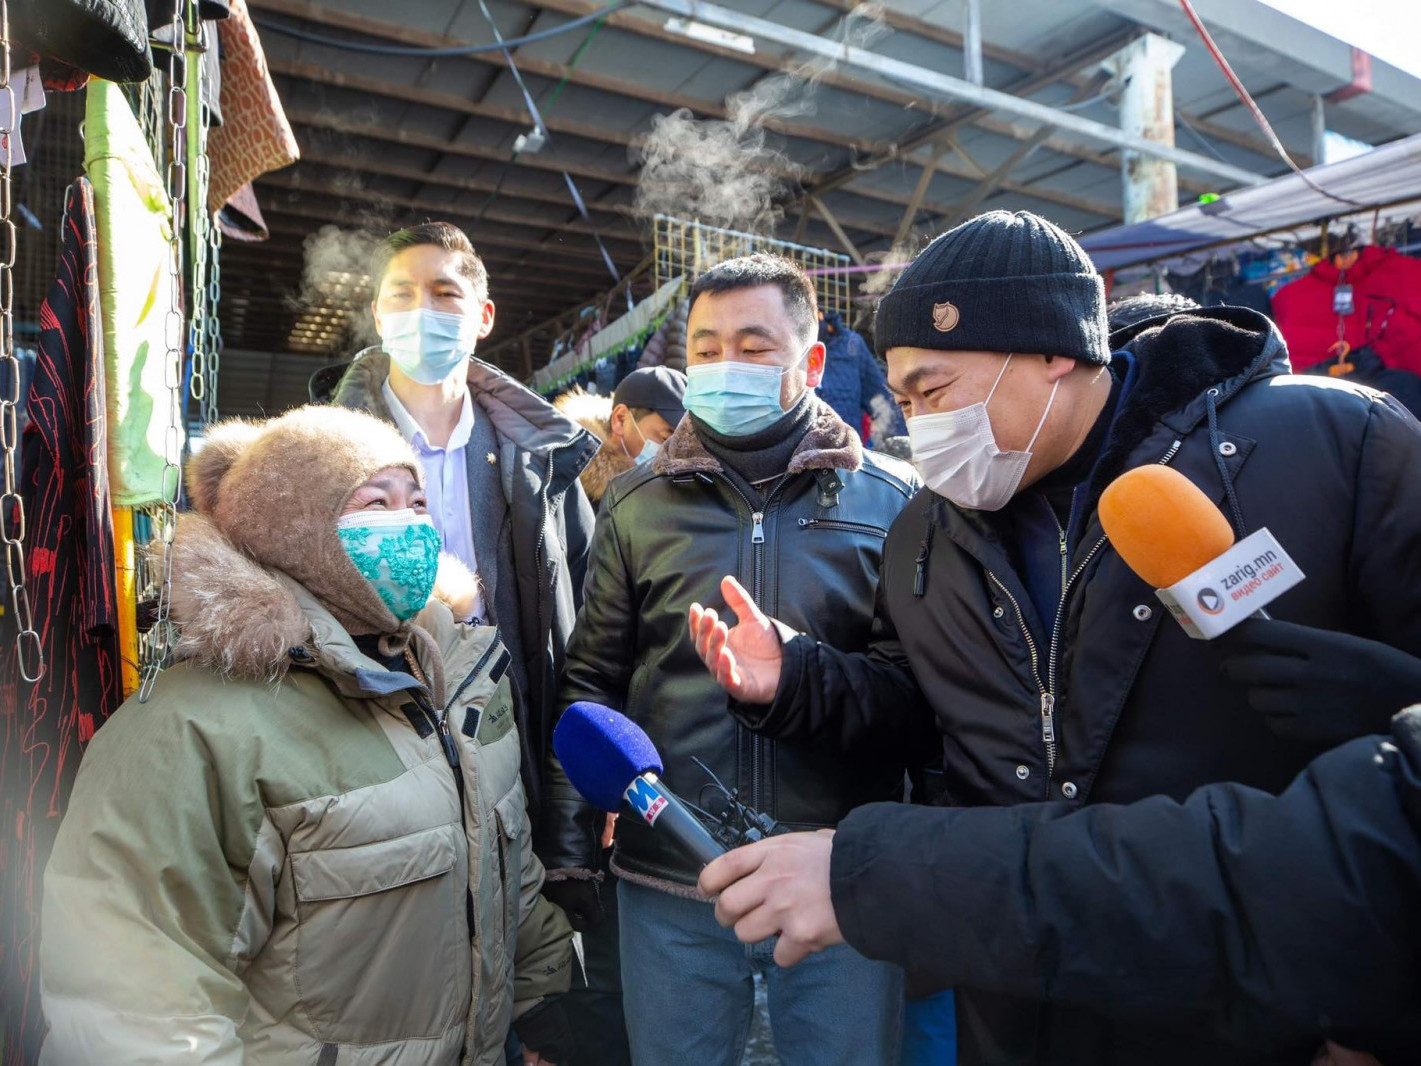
(397, 552)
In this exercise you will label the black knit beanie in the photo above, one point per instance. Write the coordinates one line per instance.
(1000, 282)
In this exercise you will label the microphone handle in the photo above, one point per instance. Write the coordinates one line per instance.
(655, 804)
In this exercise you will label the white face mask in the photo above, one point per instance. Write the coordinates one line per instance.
(957, 454)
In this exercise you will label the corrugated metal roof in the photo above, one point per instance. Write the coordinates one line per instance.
(392, 140)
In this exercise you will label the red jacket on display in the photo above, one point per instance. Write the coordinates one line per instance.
(1386, 301)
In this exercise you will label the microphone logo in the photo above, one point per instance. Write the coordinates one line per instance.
(646, 800)
(1210, 602)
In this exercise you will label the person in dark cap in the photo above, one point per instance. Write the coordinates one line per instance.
(1007, 624)
(632, 424)
(646, 409)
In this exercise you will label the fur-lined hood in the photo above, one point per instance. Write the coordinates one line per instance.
(594, 414)
(829, 444)
(246, 621)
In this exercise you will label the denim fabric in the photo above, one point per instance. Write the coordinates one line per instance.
(930, 1031)
(688, 990)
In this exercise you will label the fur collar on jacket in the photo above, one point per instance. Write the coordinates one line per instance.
(594, 414)
(242, 620)
(828, 445)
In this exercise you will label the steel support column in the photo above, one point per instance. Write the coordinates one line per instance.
(1144, 69)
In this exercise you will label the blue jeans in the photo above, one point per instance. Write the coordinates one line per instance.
(688, 990)
(930, 1031)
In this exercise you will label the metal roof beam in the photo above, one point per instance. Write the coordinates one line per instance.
(552, 246)
(393, 31)
(412, 94)
(368, 165)
(945, 85)
(277, 222)
(542, 161)
(296, 184)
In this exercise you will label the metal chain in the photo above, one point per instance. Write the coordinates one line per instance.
(158, 644)
(214, 323)
(199, 222)
(28, 648)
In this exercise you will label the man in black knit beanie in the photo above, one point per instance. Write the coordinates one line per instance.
(1013, 640)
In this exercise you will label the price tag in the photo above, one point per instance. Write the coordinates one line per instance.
(1342, 302)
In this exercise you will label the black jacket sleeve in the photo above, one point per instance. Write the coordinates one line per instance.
(578, 521)
(862, 702)
(1385, 559)
(1266, 920)
(597, 669)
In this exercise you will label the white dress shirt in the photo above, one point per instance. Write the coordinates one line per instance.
(446, 480)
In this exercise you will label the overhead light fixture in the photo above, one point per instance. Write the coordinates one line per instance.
(532, 142)
(699, 31)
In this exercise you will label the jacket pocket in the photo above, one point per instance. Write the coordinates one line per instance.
(831, 524)
(511, 814)
(381, 952)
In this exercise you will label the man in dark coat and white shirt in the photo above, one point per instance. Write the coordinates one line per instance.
(1007, 623)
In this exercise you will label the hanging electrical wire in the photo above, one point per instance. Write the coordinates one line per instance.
(542, 131)
(451, 52)
(1258, 116)
(1204, 142)
(548, 106)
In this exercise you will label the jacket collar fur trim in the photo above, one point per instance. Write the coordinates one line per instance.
(829, 444)
(243, 620)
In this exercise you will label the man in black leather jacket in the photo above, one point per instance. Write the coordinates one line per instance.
(763, 481)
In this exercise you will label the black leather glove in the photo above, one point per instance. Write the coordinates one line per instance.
(545, 1029)
(1318, 686)
(580, 900)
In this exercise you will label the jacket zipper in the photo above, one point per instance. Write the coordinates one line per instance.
(478, 669)
(440, 721)
(1048, 688)
(834, 523)
(757, 551)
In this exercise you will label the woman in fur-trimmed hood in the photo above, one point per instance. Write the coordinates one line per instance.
(310, 845)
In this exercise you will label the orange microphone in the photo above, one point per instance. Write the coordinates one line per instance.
(1162, 524)
(1180, 543)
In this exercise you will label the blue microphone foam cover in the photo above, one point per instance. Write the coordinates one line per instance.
(602, 752)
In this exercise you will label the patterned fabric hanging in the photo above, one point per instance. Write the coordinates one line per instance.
(44, 727)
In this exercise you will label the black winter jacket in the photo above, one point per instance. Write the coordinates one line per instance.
(550, 530)
(1120, 704)
(666, 536)
(1271, 921)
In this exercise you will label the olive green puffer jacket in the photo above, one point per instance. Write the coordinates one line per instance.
(275, 861)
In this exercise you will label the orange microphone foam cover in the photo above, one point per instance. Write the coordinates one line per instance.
(1162, 524)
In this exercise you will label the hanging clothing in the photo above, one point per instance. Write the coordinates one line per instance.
(255, 136)
(71, 582)
(1386, 309)
(854, 384)
(106, 38)
(136, 290)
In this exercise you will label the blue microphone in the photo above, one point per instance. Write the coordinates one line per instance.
(611, 761)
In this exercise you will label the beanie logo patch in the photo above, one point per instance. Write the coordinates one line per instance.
(945, 317)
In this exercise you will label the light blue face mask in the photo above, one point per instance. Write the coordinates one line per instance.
(397, 552)
(735, 399)
(649, 448)
(428, 345)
